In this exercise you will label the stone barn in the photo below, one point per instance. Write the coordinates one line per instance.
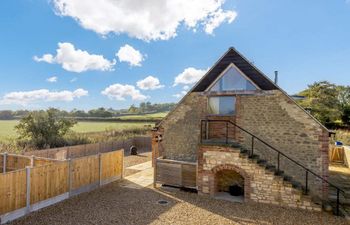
(237, 135)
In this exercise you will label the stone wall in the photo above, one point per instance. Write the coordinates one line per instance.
(277, 120)
(260, 185)
(270, 115)
(181, 129)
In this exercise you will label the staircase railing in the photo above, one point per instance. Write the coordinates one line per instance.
(278, 155)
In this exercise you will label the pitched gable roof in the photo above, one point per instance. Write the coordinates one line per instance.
(260, 79)
(233, 56)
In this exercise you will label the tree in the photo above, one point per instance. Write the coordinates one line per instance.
(323, 100)
(133, 109)
(44, 128)
(100, 112)
(6, 115)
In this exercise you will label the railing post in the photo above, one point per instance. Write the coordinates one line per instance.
(226, 132)
(201, 131)
(338, 202)
(252, 151)
(4, 163)
(306, 181)
(278, 162)
(206, 129)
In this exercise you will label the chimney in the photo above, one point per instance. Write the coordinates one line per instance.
(276, 77)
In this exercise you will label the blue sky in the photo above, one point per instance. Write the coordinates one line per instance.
(306, 41)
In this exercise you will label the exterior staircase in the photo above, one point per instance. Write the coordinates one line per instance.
(301, 189)
(294, 192)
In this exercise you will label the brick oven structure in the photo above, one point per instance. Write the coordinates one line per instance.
(236, 119)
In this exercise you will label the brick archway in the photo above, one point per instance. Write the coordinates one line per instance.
(240, 171)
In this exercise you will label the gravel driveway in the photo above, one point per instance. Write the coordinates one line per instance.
(113, 204)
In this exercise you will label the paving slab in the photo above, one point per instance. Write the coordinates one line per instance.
(141, 166)
(141, 179)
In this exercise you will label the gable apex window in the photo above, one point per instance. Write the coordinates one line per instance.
(232, 79)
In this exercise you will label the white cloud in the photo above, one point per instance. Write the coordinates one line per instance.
(149, 83)
(181, 94)
(218, 18)
(52, 79)
(76, 60)
(189, 76)
(130, 55)
(73, 79)
(147, 19)
(26, 97)
(45, 58)
(186, 87)
(120, 92)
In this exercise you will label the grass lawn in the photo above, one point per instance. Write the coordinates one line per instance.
(7, 127)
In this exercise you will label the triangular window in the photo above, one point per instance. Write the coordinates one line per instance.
(232, 80)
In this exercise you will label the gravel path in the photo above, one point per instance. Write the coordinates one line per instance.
(113, 204)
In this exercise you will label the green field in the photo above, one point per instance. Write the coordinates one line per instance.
(7, 127)
(150, 116)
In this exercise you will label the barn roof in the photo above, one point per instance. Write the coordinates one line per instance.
(233, 56)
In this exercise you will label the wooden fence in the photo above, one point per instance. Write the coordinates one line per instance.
(25, 190)
(70, 152)
(12, 162)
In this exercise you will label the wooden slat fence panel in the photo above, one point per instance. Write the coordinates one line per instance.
(84, 171)
(48, 181)
(177, 173)
(12, 191)
(43, 161)
(92, 149)
(16, 162)
(112, 164)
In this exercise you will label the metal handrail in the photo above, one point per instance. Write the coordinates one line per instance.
(307, 171)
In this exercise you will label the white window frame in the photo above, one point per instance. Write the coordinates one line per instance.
(231, 65)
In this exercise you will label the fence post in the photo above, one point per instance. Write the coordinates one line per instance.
(4, 163)
(122, 163)
(32, 160)
(68, 153)
(69, 176)
(28, 189)
(100, 169)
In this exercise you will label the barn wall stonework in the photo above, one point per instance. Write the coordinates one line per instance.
(270, 115)
(277, 120)
(259, 184)
(181, 129)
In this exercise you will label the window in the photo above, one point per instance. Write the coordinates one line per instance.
(233, 80)
(222, 105)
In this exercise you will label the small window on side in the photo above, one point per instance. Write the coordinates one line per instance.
(222, 105)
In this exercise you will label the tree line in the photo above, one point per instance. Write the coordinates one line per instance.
(143, 108)
(328, 102)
